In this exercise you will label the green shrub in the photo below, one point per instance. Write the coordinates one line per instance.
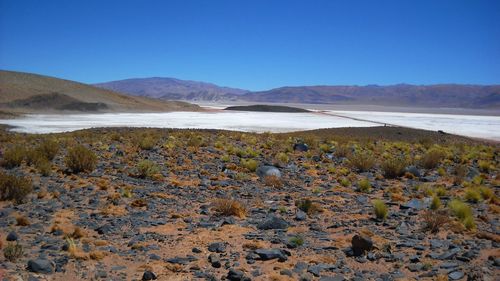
(14, 188)
(13, 156)
(249, 164)
(432, 158)
(43, 166)
(48, 149)
(147, 169)
(472, 195)
(362, 161)
(364, 185)
(80, 159)
(463, 212)
(484, 166)
(345, 182)
(147, 143)
(440, 191)
(394, 167)
(486, 192)
(307, 205)
(296, 241)
(343, 151)
(282, 157)
(380, 209)
(12, 252)
(435, 203)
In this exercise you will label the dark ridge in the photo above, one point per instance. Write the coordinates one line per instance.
(267, 108)
(55, 101)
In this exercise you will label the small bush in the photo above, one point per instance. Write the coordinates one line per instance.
(362, 161)
(48, 149)
(195, 141)
(14, 188)
(14, 156)
(296, 241)
(229, 207)
(435, 203)
(469, 223)
(12, 252)
(250, 164)
(486, 192)
(380, 209)
(472, 195)
(432, 158)
(147, 143)
(394, 167)
(22, 221)
(463, 212)
(273, 181)
(80, 159)
(308, 206)
(440, 191)
(459, 173)
(345, 182)
(484, 166)
(343, 151)
(364, 185)
(147, 169)
(433, 220)
(282, 157)
(43, 166)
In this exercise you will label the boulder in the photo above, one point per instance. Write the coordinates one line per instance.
(40, 266)
(271, 254)
(267, 170)
(361, 244)
(273, 222)
(300, 147)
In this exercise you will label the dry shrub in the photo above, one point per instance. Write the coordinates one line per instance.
(14, 156)
(362, 161)
(48, 149)
(97, 255)
(434, 220)
(138, 203)
(12, 252)
(14, 188)
(80, 159)
(394, 167)
(22, 221)
(77, 233)
(432, 158)
(229, 207)
(273, 181)
(308, 206)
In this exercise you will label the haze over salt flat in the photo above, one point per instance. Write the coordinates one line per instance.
(487, 127)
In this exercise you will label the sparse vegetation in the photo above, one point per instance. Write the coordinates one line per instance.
(13, 156)
(249, 164)
(380, 209)
(308, 206)
(229, 207)
(463, 212)
(432, 158)
(13, 251)
(394, 167)
(362, 161)
(80, 159)
(434, 220)
(364, 185)
(14, 187)
(273, 181)
(147, 169)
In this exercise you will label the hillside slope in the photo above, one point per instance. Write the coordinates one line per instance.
(32, 93)
(172, 89)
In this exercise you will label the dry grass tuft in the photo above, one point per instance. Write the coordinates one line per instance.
(273, 181)
(229, 207)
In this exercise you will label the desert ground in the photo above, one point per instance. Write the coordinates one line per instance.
(377, 203)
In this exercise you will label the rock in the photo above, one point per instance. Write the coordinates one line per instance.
(273, 222)
(218, 247)
(361, 244)
(214, 260)
(264, 171)
(300, 147)
(413, 170)
(338, 277)
(412, 204)
(148, 275)
(40, 266)
(300, 215)
(286, 272)
(271, 254)
(181, 260)
(196, 250)
(12, 236)
(105, 229)
(456, 275)
(236, 275)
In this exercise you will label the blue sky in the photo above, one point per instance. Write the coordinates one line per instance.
(255, 44)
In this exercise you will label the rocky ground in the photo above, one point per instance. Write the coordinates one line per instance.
(215, 205)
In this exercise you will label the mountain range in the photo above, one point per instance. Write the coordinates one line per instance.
(405, 95)
(32, 93)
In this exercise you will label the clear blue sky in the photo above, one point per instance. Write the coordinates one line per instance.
(255, 45)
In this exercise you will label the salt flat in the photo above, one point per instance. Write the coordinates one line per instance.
(487, 127)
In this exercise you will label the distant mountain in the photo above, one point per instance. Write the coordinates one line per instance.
(173, 89)
(446, 95)
(405, 95)
(31, 93)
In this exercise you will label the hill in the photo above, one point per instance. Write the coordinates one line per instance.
(32, 93)
(173, 89)
(267, 108)
(446, 95)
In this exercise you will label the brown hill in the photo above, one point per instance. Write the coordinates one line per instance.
(32, 93)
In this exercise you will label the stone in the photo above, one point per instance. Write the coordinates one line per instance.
(148, 275)
(214, 260)
(12, 236)
(361, 244)
(456, 275)
(300, 147)
(413, 170)
(412, 204)
(218, 247)
(266, 170)
(40, 266)
(300, 215)
(273, 222)
(271, 254)
(236, 275)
